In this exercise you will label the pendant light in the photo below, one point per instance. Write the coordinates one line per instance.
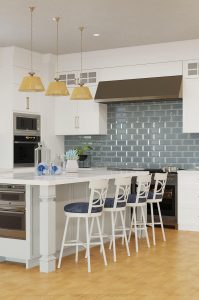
(31, 83)
(57, 88)
(81, 92)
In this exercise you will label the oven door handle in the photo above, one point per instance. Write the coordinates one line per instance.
(13, 212)
(16, 142)
(12, 192)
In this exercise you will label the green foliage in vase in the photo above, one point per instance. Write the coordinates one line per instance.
(83, 149)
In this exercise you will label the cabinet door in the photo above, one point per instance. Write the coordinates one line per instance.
(190, 97)
(21, 104)
(79, 117)
(65, 116)
(88, 115)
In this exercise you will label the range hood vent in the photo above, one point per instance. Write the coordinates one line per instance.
(155, 88)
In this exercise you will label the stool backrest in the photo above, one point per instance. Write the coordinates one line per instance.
(98, 192)
(123, 188)
(160, 183)
(144, 182)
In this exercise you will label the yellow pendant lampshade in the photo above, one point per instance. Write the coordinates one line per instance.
(81, 92)
(57, 88)
(31, 83)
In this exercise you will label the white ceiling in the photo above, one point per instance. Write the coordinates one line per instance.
(121, 23)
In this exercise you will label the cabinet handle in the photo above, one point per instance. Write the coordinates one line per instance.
(78, 122)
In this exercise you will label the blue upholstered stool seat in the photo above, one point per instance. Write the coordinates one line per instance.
(132, 199)
(109, 203)
(80, 207)
(150, 196)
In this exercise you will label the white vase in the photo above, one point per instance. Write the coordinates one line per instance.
(72, 166)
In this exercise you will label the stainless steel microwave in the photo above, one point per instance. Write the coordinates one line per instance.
(26, 124)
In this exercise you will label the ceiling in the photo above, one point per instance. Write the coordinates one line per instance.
(121, 23)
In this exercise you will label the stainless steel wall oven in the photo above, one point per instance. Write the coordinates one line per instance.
(26, 138)
(12, 211)
(24, 149)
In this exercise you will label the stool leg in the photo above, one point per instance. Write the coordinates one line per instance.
(160, 216)
(124, 225)
(145, 228)
(63, 241)
(111, 241)
(88, 245)
(101, 240)
(153, 226)
(102, 229)
(135, 228)
(91, 230)
(131, 225)
(113, 236)
(77, 240)
(124, 233)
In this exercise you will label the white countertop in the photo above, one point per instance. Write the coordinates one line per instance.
(188, 171)
(21, 177)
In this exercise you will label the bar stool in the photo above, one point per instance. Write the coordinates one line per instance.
(91, 210)
(156, 197)
(115, 206)
(139, 200)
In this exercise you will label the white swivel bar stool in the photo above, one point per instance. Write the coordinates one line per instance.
(91, 210)
(115, 206)
(155, 197)
(139, 200)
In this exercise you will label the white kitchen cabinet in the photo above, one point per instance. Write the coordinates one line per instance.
(188, 200)
(20, 103)
(191, 96)
(141, 71)
(81, 117)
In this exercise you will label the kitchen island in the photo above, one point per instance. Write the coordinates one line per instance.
(45, 199)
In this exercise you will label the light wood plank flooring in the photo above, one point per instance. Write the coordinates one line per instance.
(168, 271)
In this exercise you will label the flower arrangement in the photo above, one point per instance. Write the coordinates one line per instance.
(72, 155)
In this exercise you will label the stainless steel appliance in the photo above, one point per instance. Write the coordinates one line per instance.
(12, 211)
(26, 124)
(24, 149)
(139, 89)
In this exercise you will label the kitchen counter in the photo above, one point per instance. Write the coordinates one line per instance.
(188, 171)
(45, 198)
(83, 175)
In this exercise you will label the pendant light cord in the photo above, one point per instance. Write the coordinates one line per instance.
(81, 49)
(56, 19)
(31, 37)
(57, 45)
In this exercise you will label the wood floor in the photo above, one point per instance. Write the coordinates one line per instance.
(168, 271)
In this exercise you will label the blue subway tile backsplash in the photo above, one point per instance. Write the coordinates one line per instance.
(147, 134)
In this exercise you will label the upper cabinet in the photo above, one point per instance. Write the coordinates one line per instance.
(191, 96)
(26, 102)
(82, 117)
(141, 71)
